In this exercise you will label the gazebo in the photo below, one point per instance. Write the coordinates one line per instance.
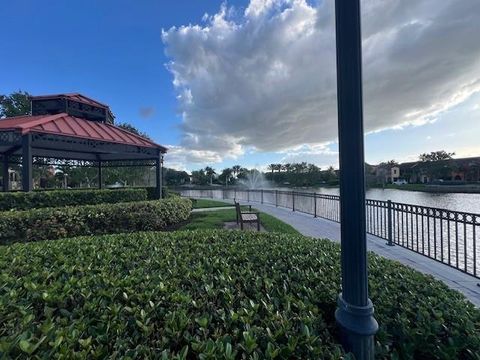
(73, 127)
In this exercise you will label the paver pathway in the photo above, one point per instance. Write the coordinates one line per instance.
(321, 228)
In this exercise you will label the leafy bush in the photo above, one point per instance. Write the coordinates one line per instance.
(54, 223)
(212, 295)
(56, 198)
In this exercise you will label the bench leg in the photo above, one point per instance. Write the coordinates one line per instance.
(241, 225)
(258, 225)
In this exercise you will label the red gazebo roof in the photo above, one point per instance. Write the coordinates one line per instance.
(64, 124)
(73, 96)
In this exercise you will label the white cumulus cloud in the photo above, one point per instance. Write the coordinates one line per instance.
(265, 77)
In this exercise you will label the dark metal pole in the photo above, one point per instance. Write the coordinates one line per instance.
(27, 181)
(6, 175)
(355, 310)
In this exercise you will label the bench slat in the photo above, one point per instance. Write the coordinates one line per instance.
(249, 217)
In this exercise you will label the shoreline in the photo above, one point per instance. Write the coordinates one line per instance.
(439, 189)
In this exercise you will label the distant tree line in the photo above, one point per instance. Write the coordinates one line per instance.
(301, 174)
(290, 174)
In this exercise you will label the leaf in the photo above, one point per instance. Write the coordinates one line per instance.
(25, 346)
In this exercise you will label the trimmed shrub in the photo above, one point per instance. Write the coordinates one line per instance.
(214, 295)
(56, 198)
(54, 223)
(152, 191)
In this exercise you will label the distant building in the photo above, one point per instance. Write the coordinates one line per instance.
(455, 170)
(384, 173)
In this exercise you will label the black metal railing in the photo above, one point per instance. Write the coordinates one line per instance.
(450, 237)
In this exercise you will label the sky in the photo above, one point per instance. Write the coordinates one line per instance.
(253, 82)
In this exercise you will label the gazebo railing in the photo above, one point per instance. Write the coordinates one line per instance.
(448, 236)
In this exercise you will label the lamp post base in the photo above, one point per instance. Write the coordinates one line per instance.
(358, 327)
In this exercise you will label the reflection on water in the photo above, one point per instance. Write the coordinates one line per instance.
(451, 201)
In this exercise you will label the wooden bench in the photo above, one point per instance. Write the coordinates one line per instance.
(247, 216)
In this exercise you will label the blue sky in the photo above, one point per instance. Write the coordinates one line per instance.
(108, 50)
(114, 51)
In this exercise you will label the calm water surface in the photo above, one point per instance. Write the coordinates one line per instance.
(451, 201)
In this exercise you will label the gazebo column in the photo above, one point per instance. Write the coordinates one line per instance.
(355, 310)
(5, 174)
(27, 163)
(100, 180)
(158, 175)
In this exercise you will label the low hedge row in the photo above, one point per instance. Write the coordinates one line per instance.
(56, 198)
(54, 223)
(214, 295)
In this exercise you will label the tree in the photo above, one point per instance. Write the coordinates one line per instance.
(130, 128)
(199, 177)
(210, 172)
(272, 167)
(175, 177)
(436, 156)
(243, 173)
(236, 169)
(225, 176)
(15, 104)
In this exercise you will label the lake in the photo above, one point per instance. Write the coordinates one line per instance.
(450, 201)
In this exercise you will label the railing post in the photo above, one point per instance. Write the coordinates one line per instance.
(314, 204)
(389, 223)
(262, 195)
(276, 198)
(248, 195)
(293, 200)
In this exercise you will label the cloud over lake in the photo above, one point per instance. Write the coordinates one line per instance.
(264, 77)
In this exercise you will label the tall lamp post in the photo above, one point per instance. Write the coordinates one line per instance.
(354, 313)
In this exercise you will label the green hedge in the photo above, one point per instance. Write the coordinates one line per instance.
(214, 295)
(54, 223)
(56, 198)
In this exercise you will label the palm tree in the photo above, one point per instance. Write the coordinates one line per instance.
(272, 167)
(227, 173)
(287, 167)
(210, 172)
(236, 169)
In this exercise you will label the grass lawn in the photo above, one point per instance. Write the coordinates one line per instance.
(216, 219)
(206, 203)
